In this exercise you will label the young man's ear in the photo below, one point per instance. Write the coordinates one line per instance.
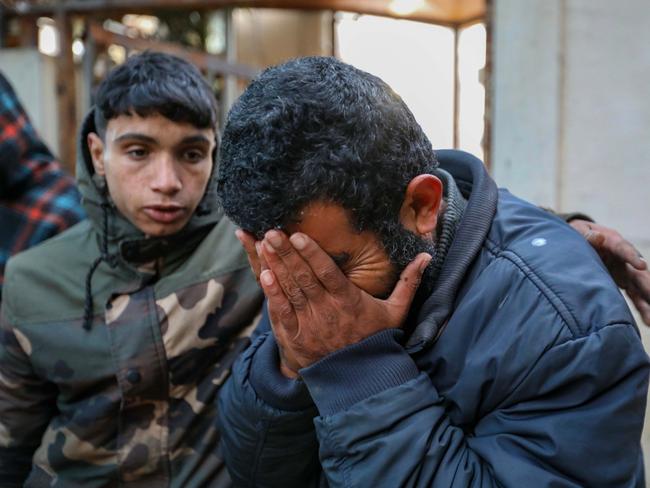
(421, 207)
(96, 148)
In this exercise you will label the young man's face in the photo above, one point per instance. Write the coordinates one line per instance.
(156, 170)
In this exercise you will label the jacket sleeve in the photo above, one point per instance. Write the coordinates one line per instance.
(266, 422)
(26, 405)
(383, 424)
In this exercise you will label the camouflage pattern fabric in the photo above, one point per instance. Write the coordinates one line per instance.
(131, 401)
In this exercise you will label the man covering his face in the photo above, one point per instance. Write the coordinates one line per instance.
(428, 329)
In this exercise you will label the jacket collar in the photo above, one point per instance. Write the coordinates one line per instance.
(481, 193)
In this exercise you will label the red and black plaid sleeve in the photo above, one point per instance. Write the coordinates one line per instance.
(37, 198)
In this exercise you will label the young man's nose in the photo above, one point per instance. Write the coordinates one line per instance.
(166, 178)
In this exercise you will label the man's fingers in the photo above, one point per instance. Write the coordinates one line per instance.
(408, 283)
(283, 317)
(628, 253)
(248, 242)
(609, 242)
(642, 306)
(301, 272)
(284, 277)
(620, 248)
(639, 282)
(260, 255)
(321, 264)
(595, 238)
(284, 322)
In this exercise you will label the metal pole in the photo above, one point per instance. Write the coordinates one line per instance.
(487, 77)
(456, 90)
(88, 64)
(3, 26)
(65, 88)
(230, 85)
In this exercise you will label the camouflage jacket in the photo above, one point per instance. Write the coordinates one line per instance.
(131, 400)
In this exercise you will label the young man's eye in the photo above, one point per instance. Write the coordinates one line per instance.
(138, 153)
(194, 155)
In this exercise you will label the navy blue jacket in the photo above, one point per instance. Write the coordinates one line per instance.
(524, 368)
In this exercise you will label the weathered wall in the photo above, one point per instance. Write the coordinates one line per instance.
(571, 120)
(33, 76)
(265, 37)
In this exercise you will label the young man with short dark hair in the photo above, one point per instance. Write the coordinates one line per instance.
(117, 335)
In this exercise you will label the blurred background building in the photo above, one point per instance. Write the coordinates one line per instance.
(554, 95)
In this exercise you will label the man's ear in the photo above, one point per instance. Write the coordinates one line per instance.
(96, 149)
(421, 207)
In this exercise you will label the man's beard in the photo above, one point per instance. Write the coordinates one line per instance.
(402, 246)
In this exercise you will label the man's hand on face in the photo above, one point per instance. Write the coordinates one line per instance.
(625, 264)
(314, 309)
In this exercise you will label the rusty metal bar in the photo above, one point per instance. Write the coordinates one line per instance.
(456, 90)
(205, 61)
(426, 13)
(3, 26)
(66, 93)
(488, 83)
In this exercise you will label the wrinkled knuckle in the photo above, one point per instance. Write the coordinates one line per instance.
(311, 287)
(304, 279)
(414, 283)
(284, 251)
(331, 276)
(296, 298)
(338, 289)
(617, 240)
(294, 295)
(624, 247)
(329, 318)
(286, 312)
(329, 273)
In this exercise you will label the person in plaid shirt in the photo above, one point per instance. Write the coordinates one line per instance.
(37, 198)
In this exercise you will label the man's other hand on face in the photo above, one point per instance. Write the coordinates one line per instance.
(314, 308)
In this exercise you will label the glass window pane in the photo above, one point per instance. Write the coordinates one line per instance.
(414, 58)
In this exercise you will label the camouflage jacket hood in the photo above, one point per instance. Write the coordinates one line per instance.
(130, 401)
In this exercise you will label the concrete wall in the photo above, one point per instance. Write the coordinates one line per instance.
(265, 37)
(33, 76)
(571, 119)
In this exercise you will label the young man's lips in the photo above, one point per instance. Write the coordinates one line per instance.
(164, 214)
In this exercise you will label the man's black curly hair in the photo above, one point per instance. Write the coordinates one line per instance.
(156, 83)
(317, 129)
